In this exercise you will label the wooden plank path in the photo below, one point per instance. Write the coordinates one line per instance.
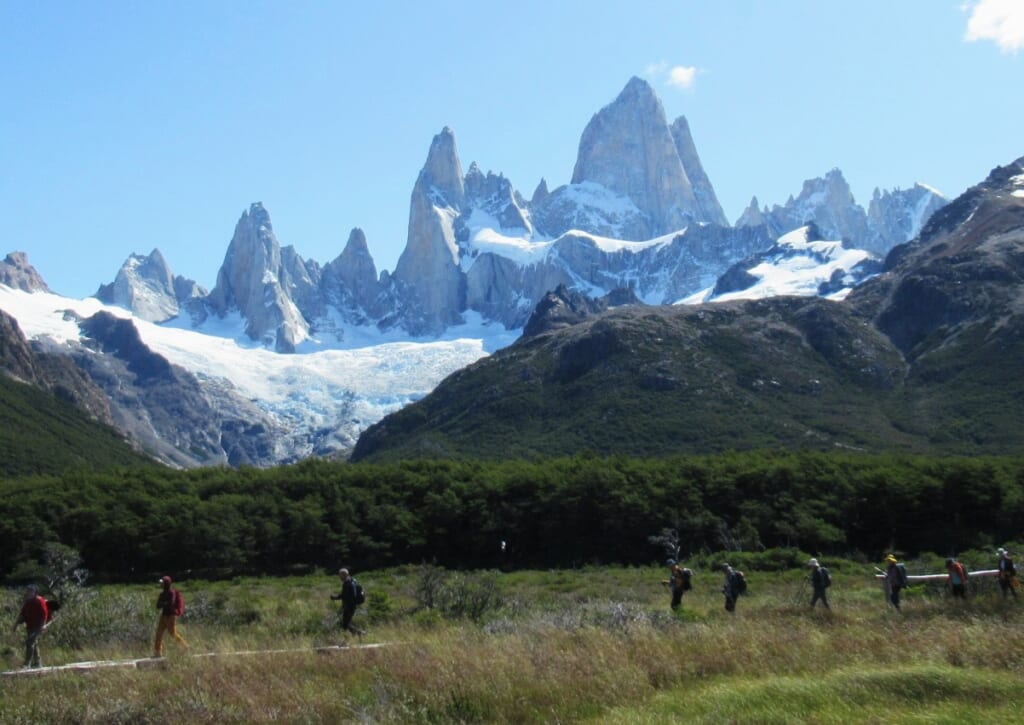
(147, 662)
(944, 577)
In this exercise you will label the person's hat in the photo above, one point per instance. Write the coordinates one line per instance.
(891, 559)
(812, 562)
(1001, 551)
(671, 562)
(726, 566)
(949, 560)
(165, 580)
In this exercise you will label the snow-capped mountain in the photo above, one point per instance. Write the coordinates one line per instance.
(639, 213)
(639, 220)
(801, 264)
(300, 405)
(893, 217)
(146, 286)
(897, 216)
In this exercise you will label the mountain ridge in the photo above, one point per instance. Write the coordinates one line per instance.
(476, 244)
(924, 357)
(480, 260)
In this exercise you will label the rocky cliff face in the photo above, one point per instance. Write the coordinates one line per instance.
(893, 217)
(708, 208)
(53, 373)
(146, 286)
(963, 274)
(351, 285)
(254, 281)
(494, 196)
(17, 273)
(633, 129)
(897, 216)
(829, 203)
(562, 308)
(171, 414)
(431, 286)
(475, 244)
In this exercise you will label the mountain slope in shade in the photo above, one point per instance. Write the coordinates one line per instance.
(200, 399)
(926, 356)
(44, 423)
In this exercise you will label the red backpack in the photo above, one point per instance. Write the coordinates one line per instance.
(179, 603)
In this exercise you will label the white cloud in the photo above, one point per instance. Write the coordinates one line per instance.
(1001, 21)
(679, 76)
(682, 76)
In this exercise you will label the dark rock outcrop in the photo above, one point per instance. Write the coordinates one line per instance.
(17, 273)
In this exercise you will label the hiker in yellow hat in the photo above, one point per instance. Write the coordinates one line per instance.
(895, 579)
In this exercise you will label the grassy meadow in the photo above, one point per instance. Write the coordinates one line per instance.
(596, 644)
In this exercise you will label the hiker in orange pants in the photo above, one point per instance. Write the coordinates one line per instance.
(171, 605)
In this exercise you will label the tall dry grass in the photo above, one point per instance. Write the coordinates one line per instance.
(553, 653)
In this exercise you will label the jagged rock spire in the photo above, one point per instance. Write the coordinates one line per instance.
(428, 269)
(708, 208)
(252, 280)
(628, 148)
(442, 171)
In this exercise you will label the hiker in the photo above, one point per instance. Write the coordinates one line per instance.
(171, 605)
(820, 581)
(734, 585)
(36, 615)
(349, 597)
(957, 578)
(678, 582)
(895, 579)
(1007, 573)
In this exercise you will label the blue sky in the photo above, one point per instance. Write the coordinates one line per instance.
(131, 126)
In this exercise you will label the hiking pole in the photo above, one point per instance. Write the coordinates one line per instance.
(885, 584)
(800, 594)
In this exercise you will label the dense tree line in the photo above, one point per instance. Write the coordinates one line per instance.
(130, 523)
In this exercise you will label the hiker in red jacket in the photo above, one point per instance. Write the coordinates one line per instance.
(36, 615)
(171, 605)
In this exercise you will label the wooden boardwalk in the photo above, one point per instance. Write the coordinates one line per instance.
(147, 662)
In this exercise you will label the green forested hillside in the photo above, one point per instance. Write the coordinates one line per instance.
(927, 357)
(40, 433)
(563, 512)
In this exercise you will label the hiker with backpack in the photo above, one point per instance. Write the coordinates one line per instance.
(678, 582)
(171, 605)
(895, 579)
(957, 578)
(820, 581)
(735, 584)
(36, 616)
(1007, 573)
(351, 596)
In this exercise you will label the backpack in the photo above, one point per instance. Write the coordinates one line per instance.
(178, 602)
(357, 589)
(686, 576)
(901, 576)
(52, 607)
(739, 582)
(826, 578)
